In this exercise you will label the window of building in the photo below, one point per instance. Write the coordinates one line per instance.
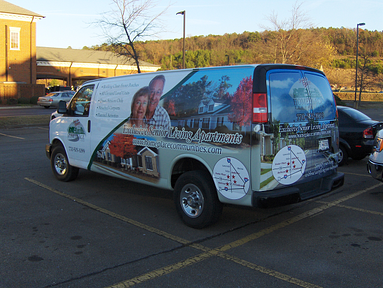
(149, 163)
(196, 123)
(15, 38)
(220, 121)
(205, 123)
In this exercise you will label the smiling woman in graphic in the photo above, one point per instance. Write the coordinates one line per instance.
(139, 106)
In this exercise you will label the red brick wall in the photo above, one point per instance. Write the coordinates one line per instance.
(18, 65)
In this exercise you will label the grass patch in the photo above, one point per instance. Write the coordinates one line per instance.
(264, 171)
(267, 181)
(24, 121)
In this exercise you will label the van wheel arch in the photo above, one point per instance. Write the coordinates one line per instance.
(60, 166)
(185, 165)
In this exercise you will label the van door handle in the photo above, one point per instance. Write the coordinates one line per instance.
(88, 126)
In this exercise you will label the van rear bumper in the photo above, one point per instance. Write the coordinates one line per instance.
(300, 192)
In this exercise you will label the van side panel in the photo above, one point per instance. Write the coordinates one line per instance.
(204, 119)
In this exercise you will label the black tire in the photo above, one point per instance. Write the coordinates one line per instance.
(60, 165)
(342, 156)
(196, 199)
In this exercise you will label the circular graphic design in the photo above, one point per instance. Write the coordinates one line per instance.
(289, 164)
(231, 178)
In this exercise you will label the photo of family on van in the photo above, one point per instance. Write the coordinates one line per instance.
(118, 151)
(145, 110)
(207, 104)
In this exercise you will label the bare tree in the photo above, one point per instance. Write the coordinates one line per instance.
(292, 41)
(129, 22)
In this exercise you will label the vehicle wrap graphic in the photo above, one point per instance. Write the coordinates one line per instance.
(231, 178)
(191, 113)
(76, 131)
(300, 143)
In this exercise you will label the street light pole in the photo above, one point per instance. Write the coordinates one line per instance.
(183, 45)
(356, 64)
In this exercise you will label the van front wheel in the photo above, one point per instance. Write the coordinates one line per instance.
(60, 165)
(196, 199)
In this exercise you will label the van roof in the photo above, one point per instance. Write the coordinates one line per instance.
(267, 67)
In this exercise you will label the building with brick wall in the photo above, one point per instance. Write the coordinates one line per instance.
(18, 52)
(23, 65)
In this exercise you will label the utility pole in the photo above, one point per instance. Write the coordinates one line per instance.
(183, 46)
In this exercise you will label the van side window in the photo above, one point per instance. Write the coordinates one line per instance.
(80, 103)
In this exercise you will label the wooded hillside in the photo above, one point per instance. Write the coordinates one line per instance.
(332, 50)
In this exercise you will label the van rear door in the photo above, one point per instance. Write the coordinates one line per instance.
(300, 143)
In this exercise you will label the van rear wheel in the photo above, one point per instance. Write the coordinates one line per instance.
(196, 199)
(60, 165)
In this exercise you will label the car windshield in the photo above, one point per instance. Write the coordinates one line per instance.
(52, 95)
(357, 115)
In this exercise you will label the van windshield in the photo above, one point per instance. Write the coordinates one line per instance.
(299, 97)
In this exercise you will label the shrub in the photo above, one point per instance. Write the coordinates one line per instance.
(33, 100)
(339, 101)
(23, 100)
(11, 101)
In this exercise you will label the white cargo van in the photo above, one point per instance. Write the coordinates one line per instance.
(252, 135)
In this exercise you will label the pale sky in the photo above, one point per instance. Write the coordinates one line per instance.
(69, 22)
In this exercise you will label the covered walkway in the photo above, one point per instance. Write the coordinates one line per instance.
(75, 65)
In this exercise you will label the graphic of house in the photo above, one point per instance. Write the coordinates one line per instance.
(104, 154)
(212, 114)
(148, 162)
(145, 161)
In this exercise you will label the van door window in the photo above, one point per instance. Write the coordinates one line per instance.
(80, 103)
(321, 95)
(282, 88)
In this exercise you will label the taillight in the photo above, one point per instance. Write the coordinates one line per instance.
(51, 100)
(259, 107)
(368, 133)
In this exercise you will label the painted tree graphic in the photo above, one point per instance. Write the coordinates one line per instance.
(169, 106)
(122, 146)
(242, 103)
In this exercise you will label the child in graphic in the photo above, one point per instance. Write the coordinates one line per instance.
(155, 114)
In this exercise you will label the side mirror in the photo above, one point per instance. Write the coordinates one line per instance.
(62, 108)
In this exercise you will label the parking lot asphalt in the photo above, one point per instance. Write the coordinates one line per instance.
(99, 231)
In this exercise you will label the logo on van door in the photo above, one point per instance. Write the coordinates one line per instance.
(76, 131)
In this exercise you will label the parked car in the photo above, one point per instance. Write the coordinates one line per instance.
(356, 133)
(375, 161)
(53, 99)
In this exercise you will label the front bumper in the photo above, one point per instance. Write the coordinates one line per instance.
(375, 170)
(48, 150)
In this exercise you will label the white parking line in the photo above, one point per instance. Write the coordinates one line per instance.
(10, 136)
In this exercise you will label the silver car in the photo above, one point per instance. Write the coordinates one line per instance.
(375, 161)
(53, 99)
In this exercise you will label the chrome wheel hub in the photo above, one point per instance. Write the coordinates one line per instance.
(192, 201)
(60, 164)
